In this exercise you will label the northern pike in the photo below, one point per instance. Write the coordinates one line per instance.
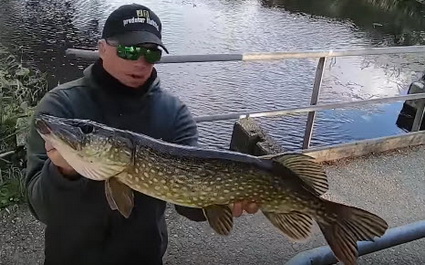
(287, 187)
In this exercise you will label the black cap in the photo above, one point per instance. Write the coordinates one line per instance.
(133, 24)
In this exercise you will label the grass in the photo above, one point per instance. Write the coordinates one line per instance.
(20, 90)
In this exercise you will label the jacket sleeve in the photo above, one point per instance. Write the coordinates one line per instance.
(47, 189)
(186, 133)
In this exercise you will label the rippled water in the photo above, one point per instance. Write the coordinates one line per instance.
(46, 28)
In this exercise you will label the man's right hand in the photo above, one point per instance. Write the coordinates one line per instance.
(60, 162)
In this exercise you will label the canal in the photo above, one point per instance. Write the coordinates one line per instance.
(40, 31)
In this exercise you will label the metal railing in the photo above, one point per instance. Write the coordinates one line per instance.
(393, 237)
(311, 110)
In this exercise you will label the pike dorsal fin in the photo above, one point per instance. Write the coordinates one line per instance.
(306, 168)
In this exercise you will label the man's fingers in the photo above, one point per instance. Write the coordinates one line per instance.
(237, 209)
(251, 208)
(48, 146)
(57, 159)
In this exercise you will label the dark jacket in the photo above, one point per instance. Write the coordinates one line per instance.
(80, 226)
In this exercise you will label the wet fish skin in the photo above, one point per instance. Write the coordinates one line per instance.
(286, 187)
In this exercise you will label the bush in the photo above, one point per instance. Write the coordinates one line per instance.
(20, 90)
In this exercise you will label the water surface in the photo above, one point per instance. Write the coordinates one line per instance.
(44, 29)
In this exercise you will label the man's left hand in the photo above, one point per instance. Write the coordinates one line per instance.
(239, 207)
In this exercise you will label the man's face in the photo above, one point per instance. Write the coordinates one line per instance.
(128, 72)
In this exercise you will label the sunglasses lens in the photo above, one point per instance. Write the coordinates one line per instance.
(135, 52)
(153, 55)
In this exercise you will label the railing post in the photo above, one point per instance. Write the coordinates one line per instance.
(313, 101)
(420, 109)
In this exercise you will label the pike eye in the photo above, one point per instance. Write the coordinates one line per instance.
(86, 128)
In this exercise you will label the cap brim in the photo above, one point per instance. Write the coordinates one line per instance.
(139, 37)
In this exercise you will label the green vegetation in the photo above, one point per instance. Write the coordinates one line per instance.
(20, 90)
(404, 20)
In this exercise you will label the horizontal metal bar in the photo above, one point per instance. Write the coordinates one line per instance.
(393, 237)
(200, 58)
(82, 53)
(238, 115)
(93, 55)
(333, 53)
(259, 56)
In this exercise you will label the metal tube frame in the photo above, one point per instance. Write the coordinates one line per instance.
(282, 112)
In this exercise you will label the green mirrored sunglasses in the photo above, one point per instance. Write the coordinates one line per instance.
(151, 55)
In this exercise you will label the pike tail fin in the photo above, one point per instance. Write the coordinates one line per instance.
(342, 226)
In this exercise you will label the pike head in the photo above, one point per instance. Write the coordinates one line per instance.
(93, 150)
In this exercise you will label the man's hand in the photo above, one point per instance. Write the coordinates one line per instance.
(60, 162)
(239, 207)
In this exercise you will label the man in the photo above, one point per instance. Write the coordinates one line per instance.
(122, 90)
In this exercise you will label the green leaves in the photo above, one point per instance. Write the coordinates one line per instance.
(20, 90)
(11, 188)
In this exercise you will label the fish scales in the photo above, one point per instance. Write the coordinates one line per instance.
(199, 182)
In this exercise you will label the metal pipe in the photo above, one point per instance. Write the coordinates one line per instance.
(313, 101)
(239, 115)
(332, 53)
(393, 237)
(420, 109)
(93, 54)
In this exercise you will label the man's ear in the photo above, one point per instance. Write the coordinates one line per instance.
(102, 48)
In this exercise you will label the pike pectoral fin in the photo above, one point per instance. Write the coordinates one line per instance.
(120, 197)
(220, 218)
(295, 225)
(109, 198)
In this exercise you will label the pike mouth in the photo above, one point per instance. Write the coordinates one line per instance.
(59, 138)
(42, 126)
